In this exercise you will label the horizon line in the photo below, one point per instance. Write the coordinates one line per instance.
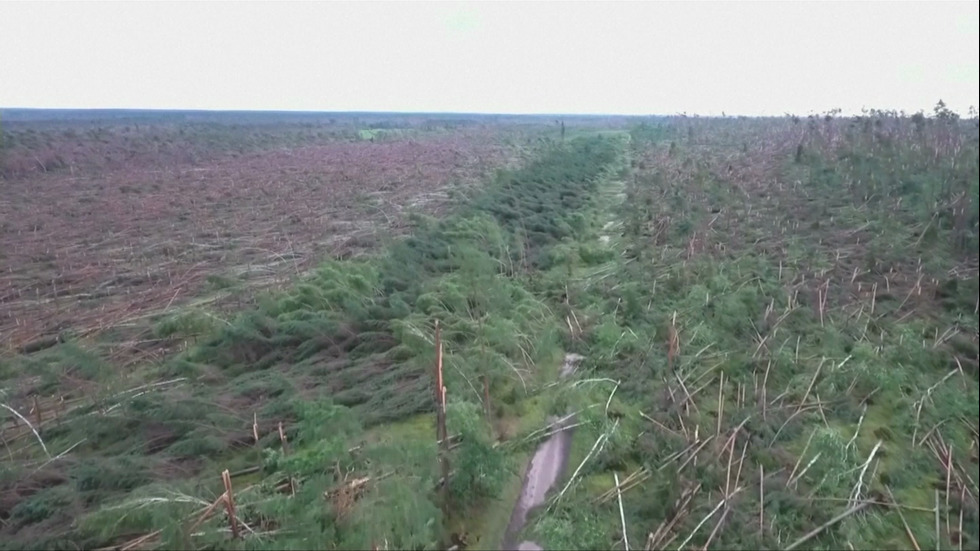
(834, 112)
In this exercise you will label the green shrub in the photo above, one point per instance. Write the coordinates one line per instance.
(110, 474)
(46, 503)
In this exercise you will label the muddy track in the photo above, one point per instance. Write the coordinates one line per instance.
(543, 471)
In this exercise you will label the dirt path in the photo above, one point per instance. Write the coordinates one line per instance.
(549, 459)
(546, 466)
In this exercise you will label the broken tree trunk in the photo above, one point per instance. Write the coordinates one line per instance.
(442, 435)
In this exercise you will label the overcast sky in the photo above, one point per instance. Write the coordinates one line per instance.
(583, 57)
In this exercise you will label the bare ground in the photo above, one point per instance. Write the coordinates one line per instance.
(86, 252)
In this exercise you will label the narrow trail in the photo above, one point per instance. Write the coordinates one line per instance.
(549, 460)
(544, 470)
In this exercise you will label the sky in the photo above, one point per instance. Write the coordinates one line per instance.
(654, 57)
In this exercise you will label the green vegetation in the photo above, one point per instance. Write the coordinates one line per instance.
(346, 350)
(778, 319)
(379, 134)
(792, 322)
